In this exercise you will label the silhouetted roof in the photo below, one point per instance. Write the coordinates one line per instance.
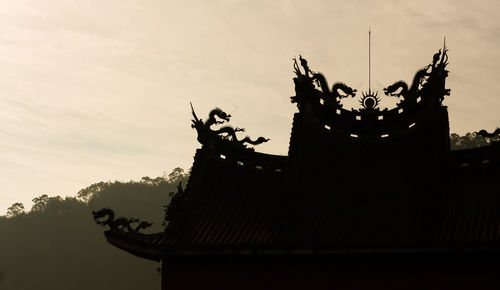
(359, 181)
(233, 213)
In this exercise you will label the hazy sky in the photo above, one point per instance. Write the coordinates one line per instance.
(99, 90)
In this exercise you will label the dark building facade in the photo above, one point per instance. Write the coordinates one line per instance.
(365, 199)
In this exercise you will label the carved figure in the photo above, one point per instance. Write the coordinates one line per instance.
(211, 120)
(307, 96)
(392, 89)
(231, 135)
(321, 81)
(229, 131)
(345, 89)
(303, 63)
(423, 76)
(436, 58)
(339, 90)
(220, 114)
(257, 141)
(485, 133)
(370, 100)
(122, 224)
(207, 135)
(303, 83)
(142, 225)
(203, 127)
(444, 56)
(296, 68)
(439, 72)
(404, 91)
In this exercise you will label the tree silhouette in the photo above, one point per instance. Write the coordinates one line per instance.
(177, 175)
(39, 203)
(468, 141)
(15, 210)
(86, 193)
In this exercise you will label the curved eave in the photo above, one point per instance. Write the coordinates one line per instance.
(140, 245)
(144, 246)
(248, 158)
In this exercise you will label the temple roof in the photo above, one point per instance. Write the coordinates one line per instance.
(354, 181)
(241, 216)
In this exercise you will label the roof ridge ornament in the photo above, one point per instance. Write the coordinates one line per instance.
(369, 60)
(311, 89)
(486, 134)
(313, 96)
(119, 224)
(226, 133)
(431, 77)
(370, 99)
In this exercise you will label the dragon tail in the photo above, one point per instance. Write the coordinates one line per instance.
(259, 140)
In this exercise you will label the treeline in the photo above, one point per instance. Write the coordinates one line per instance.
(470, 140)
(57, 245)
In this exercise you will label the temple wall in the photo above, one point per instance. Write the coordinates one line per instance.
(335, 272)
(403, 173)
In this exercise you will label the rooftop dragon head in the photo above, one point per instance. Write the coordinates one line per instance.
(345, 89)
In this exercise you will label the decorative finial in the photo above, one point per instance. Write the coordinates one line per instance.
(369, 59)
(370, 99)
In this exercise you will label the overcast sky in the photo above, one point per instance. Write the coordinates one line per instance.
(99, 90)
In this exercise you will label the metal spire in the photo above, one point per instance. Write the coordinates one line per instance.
(369, 59)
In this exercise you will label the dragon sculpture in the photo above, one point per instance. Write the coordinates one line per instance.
(303, 63)
(304, 84)
(485, 133)
(122, 224)
(346, 90)
(432, 71)
(206, 135)
(402, 86)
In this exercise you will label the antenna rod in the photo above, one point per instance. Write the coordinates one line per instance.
(369, 60)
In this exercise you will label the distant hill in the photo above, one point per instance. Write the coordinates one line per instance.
(57, 245)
